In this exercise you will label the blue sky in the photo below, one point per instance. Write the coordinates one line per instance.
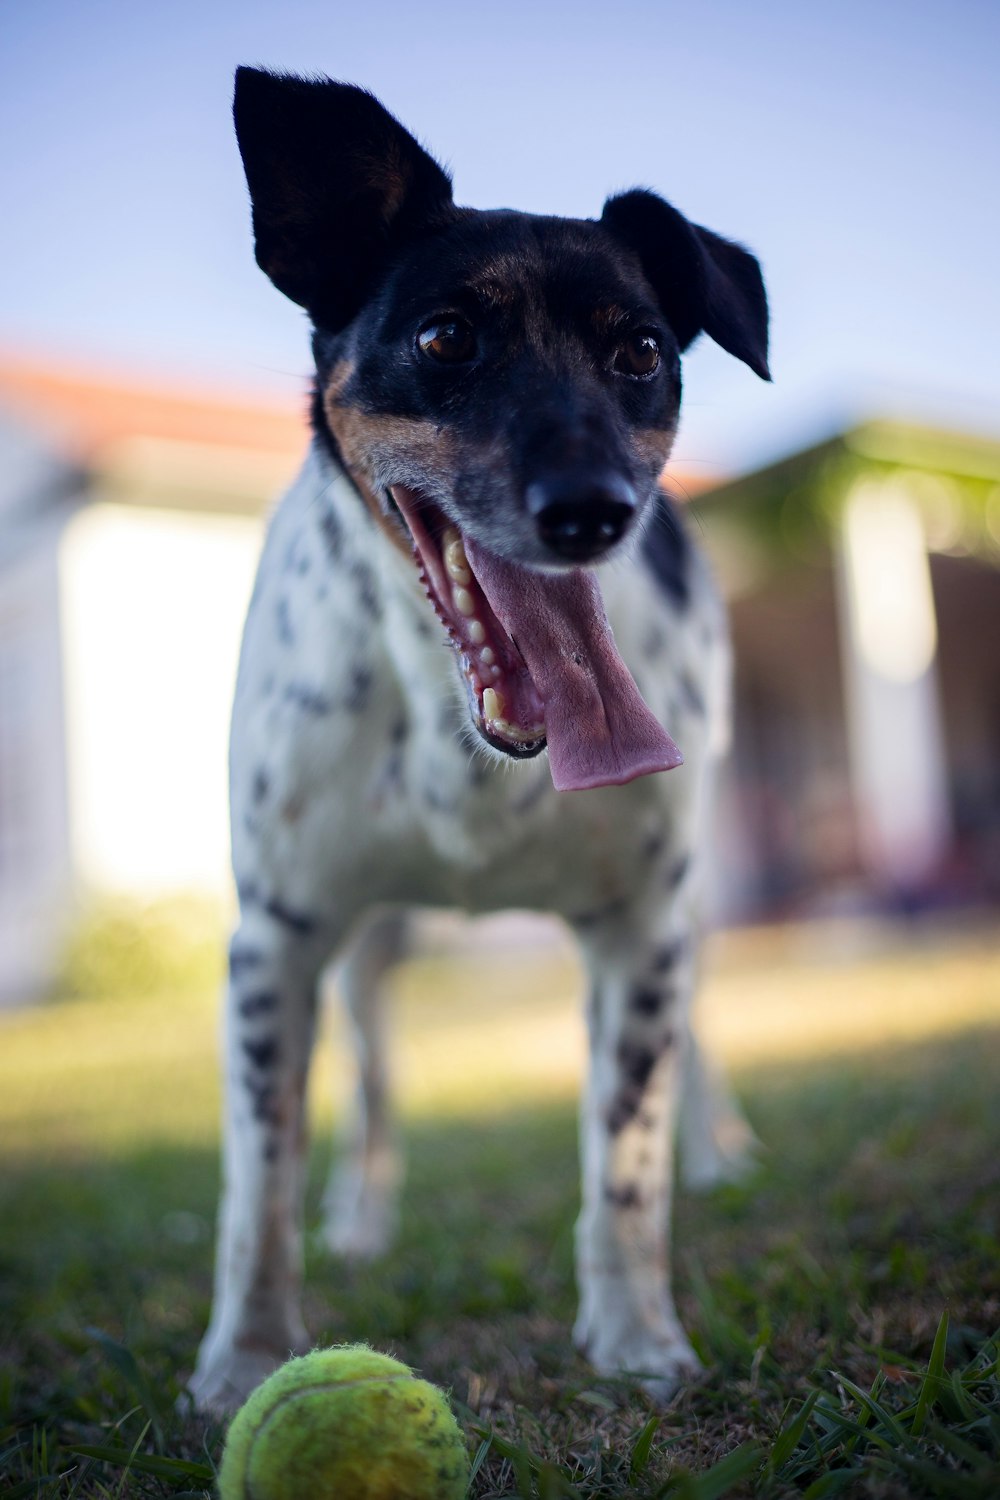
(854, 146)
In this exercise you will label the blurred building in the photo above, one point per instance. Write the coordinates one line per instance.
(130, 522)
(864, 584)
(863, 577)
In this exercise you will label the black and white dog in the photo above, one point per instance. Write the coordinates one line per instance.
(495, 399)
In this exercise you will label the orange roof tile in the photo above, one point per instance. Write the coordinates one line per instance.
(87, 412)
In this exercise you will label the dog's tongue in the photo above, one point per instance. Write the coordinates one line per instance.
(599, 731)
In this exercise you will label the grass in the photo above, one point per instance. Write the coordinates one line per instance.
(846, 1300)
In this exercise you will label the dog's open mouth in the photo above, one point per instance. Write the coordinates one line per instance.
(538, 658)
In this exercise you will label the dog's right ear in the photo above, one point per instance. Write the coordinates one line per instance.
(335, 182)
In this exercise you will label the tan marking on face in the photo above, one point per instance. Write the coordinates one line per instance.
(369, 443)
(372, 443)
(652, 446)
(339, 376)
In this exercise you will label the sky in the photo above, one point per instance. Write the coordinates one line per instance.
(855, 147)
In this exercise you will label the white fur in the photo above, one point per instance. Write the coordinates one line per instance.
(337, 818)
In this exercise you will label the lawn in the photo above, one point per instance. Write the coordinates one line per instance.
(845, 1300)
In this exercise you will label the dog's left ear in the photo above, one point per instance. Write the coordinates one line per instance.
(336, 183)
(703, 282)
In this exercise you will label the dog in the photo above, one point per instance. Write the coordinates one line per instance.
(477, 628)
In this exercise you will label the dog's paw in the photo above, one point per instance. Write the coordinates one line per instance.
(361, 1239)
(656, 1355)
(732, 1155)
(225, 1375)
(359, 1218)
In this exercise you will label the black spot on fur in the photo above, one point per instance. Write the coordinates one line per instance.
(646, 1001)
(243, 960)
(677, 873)
(332, 533)
(691, 695)
(636, 1061)
(360, 689)
(667, 957)
(307, 700)
(297, 921)
(609, 913)
(367, 593)
(260, 786)
(263, 1051)
(625, 1196)
(249, 896)
(286, 632)
(399, 731)
(264, 1102)
(653, 846)
(257, 1003)
(297, 558)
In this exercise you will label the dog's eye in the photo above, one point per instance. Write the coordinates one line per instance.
(638, 355)
(450, 341)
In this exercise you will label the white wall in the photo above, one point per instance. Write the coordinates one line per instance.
(889, 634)
(152, 609)
(34, 853)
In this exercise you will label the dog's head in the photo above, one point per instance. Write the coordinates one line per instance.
(502, 387)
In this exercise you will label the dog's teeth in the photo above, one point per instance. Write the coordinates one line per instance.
(486, 656)
(455, 559)
(515, 732)
(463, 602)
(493, 705)
(477, 634)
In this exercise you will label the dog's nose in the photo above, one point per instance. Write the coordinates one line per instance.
(580, 520)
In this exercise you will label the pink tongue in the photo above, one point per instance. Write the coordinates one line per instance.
(600, 732)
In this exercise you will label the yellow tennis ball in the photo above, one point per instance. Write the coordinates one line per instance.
(344, 1424)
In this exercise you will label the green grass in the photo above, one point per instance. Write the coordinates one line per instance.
(845, 1300)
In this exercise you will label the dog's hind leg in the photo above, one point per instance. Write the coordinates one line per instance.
(359, 1207)
(641, 968)
(716, 1143)
(275, 959)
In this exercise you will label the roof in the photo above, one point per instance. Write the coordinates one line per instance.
(87, 410)
(159, 443)
(789, 510)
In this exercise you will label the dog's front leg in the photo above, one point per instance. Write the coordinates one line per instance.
(275, 959)
(642, 974)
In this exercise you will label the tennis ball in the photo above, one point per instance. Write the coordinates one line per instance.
(344, 1424)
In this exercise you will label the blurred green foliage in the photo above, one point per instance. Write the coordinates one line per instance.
(120, 948)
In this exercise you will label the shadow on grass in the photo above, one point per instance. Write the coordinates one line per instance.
(874, 1209)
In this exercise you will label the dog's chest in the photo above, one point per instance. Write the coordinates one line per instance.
(356, 772)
